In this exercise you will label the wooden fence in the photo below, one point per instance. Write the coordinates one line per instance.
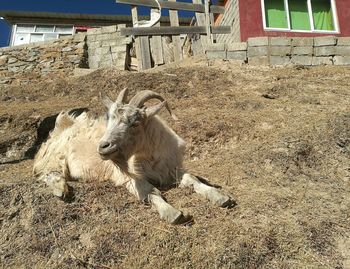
(150, 44)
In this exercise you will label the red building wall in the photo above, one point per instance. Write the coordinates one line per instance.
(251, 20)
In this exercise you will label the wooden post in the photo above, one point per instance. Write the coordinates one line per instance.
(134, 17)
(200, 18)
(207, 20)
(141, 45)
(156, 47)
(174, 21)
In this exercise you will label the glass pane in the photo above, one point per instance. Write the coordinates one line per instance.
(50, 36)
(322, 14)
(21, 39)
(23, 28)
(36, 37)
(44, 29)
(64, 29)
(299, 15)
(275, 14)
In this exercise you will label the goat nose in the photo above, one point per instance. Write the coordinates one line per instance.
(105, 145)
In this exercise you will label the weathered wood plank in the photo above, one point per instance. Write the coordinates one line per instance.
(200, 18)
(134, 17)
(145, 52)
(174, 21)
(176, 30)
(207, 21)
(157, 47)
(174, 5)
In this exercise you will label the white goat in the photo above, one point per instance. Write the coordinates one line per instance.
(133, 146)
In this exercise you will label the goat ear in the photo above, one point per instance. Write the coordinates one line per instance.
(106, 100)
(153, 110)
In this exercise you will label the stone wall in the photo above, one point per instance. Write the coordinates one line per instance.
(107, 48)
(42, 58)
(274, 51)
(98, 48)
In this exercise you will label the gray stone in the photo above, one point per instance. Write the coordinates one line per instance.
(237, 55)
(258, 41)
(324, 41)
(280, 50)
(322, 61)
(211, 55)
(301, 60)
(94, 45)
(237, 46)
(215, 47)
(91, 38)
(12, 60)
(324, 51)
(102, 50)
(80, 37)
(343, 41)
(125, 40)
(341, 60)
(80, 45)
(102, 37)
(257, 51)
(342, 50)
(94, 31)
(107, 43)
(118, 48)
(109, 29)
(302, 50)
(263, 60)
(66, 49)
(302, 41)
(280, 41)
(280, 60)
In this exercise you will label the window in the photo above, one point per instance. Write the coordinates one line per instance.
(300, 15)
(29, 33)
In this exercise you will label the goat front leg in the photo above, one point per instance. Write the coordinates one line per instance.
(146, 192)
(57, 183)
(209, 192)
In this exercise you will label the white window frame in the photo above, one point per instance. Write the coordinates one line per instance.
(334, 14)
(13, 37)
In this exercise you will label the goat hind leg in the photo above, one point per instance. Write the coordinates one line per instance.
(146, 192)
(209, 192)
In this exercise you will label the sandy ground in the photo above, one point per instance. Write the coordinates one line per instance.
(277, 140)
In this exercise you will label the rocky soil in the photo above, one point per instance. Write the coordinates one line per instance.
(277, 140)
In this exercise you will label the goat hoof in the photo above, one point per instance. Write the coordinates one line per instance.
(182, 219)
(226, 202)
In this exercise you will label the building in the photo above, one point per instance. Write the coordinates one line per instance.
(292, 18)
(28, 27)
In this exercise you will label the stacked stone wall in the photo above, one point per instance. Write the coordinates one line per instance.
(275, 51)
(107, 47)
(43, 58)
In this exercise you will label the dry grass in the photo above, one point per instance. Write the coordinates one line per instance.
(278, 140)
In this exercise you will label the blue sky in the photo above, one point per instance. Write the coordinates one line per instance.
(69, 6)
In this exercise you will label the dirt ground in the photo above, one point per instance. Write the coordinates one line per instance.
(277, 140)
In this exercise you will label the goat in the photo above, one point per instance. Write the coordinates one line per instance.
(132, 146)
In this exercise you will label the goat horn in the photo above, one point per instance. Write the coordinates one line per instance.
(142, 97)
(122, 96)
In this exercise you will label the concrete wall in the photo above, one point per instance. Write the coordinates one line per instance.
(231, 18)
(107, 48)
(42, 58)
(274, 51)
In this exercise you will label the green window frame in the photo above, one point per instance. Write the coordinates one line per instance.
(300, 15)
